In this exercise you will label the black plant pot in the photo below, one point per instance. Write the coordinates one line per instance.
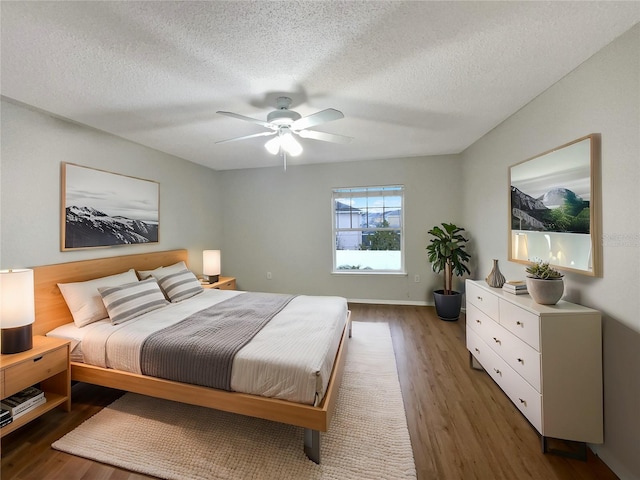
(448, 306)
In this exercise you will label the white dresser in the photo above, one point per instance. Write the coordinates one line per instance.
(546, 358)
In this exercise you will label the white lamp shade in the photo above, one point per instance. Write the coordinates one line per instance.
(287, 142)
(17, 307)
(211, 262)
(273, 146)
(291, 145)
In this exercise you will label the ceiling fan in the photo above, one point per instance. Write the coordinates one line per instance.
(285, 123)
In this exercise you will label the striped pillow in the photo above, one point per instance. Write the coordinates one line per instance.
(179, 286)
(131, 300)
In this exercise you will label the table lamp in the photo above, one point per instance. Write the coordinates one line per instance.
(211, 265)
(17, 310)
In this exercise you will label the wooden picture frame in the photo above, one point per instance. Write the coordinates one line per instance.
(105, 209)
(554, 208)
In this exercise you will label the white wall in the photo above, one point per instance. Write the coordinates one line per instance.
(601, 96)
(33, 146)
(249, 214)
(280, 222)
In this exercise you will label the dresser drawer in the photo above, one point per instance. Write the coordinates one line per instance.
(523, 358)
(479, 349)
(35, 369)
(523, 396)
(488, 330)
(480, 322)
(521, 323)
(485, 301)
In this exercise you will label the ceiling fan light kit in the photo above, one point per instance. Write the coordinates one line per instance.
(285, 123)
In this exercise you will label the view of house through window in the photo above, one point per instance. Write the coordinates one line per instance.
(368, 229)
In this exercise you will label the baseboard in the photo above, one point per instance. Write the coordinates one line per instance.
(413, 303)
(390, 302)
(619, 469)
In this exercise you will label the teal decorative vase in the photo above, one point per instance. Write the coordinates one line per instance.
(495, 278)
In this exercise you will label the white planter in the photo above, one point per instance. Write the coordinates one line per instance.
(545, 292)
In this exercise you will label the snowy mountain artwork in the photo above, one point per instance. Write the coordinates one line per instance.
(105, 209)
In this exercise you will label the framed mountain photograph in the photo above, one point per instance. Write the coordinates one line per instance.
(104, 209)
(554, 208)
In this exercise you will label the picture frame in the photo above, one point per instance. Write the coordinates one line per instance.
(555, 208)
(104, 209)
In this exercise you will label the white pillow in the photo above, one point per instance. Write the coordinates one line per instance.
(144, 274)
(161, 271)
(84, 300)
(131, 300)
(180, 285)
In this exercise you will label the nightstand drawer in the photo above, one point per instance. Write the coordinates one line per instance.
(228, 285)
(33, 370)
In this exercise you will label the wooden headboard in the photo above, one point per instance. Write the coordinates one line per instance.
(51, 309)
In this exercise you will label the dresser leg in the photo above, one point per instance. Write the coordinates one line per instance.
(578, 452)
(473, 363)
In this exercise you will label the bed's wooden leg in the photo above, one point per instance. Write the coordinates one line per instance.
(312, 444)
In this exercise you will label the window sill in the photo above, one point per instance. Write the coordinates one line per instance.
(368, 272)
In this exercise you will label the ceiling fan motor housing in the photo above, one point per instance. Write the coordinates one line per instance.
(283, 117)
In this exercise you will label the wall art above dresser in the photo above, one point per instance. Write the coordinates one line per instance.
(554, 208)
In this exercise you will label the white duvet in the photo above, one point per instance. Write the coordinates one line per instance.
(291, 358)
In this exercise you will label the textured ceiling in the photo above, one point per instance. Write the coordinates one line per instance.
(412, 78)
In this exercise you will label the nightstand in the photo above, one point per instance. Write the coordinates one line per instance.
(46, 363)
(224, 283)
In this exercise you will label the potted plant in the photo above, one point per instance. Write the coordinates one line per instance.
(446, 253)
(544, 283)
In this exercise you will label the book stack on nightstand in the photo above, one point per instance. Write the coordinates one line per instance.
(5, 417)
(22, 402)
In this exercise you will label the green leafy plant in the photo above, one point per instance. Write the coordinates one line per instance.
(543, 270)
(446, 252)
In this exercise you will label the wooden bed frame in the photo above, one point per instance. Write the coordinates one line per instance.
(52, 311)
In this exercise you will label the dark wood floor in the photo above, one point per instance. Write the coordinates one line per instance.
(461, 424)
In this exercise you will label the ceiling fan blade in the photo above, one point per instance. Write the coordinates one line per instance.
(325, 137)
(315, 119)
(246, 119)
(261, 134)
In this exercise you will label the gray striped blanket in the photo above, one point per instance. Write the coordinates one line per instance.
(200, 349)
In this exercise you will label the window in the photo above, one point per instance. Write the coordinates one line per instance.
(368, 229)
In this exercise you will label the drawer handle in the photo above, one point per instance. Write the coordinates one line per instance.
(478, 321)
(497, 371)
(519, 323)
(521, 361)
(524, 402)
(477, 350)
(497, 340)
(37, 359)
(479, 298)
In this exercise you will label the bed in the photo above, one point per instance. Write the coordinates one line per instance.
(52, 312)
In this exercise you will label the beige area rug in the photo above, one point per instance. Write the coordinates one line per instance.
(367, 439)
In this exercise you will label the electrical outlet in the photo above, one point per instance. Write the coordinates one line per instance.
(416, 279)
(269, 277)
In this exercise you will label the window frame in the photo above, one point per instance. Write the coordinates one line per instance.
(396, 190)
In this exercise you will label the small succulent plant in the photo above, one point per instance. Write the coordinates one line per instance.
(543, 271)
